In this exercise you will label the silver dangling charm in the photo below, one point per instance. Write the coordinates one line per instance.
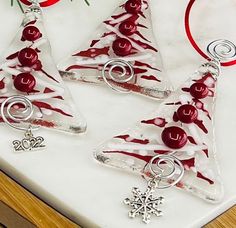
(29, 142)
(145, 204)
(16, 110)
(168, 171)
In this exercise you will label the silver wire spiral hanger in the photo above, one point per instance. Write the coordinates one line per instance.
(16, 112)
(220, 51)
(118, 71)
(166, 171)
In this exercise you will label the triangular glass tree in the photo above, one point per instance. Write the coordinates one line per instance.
(122, 53)
(27, 69)
(183, 126)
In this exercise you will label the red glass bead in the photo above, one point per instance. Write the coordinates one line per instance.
(174, 137)
(2, 84)
(133, 6)
(187, 113)
(31, 33)
(199, 90)
(28, 57)
(24, 82)
(127, 28)
(122, 47)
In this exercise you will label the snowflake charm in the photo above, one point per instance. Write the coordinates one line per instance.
(144, 204)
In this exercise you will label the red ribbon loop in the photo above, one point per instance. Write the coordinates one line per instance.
(191, 39)
(42, 4)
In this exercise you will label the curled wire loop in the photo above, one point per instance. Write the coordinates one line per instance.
(16, 110)
(118, 71)
(222, 50)
(167, 171)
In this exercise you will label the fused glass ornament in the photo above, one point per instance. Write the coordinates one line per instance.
(182, 126)
(122, 54)
(27, 69)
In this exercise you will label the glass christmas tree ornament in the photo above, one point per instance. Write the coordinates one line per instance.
(183, 127)
(122, 54)
(30, 79)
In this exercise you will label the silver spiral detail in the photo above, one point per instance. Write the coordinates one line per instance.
(166, 169)
(222, 50)
(109, 73)
(16, 117)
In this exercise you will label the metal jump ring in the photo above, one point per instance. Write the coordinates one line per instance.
(34, 7)
(123, 77)
(212, 66)
(35, 2)
(222, 50)
(10, 117)
(159, 172)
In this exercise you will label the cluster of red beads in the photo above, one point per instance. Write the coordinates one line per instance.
(122, 46)
(28, 57)
(176, 137)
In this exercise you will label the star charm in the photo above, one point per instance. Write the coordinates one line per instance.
(144, 204)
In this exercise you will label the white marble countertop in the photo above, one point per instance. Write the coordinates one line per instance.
(65, 175)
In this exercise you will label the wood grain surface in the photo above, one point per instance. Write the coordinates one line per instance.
(28, 206)
(41, 215)
(226, 220)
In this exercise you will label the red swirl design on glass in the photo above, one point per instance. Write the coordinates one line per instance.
(191, 39)
(42, 4)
